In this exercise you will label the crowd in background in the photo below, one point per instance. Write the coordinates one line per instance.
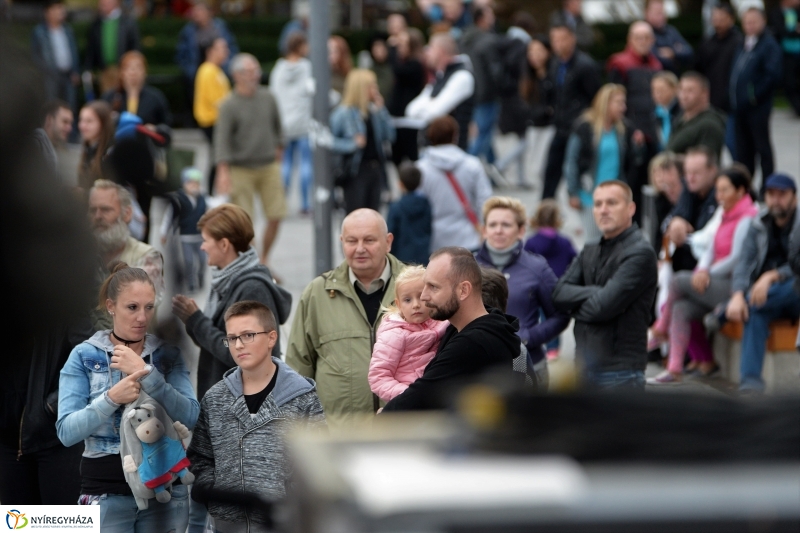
(374, 334)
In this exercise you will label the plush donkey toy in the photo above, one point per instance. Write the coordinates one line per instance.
(161, 456)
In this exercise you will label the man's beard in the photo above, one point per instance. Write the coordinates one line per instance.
(780, 213)
(112, 238)
(447, 311)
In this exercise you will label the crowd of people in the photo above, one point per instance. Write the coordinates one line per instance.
(452, 284)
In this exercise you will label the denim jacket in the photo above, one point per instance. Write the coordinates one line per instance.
(346, 123)
(85, 412)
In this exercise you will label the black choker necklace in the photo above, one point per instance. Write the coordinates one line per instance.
(125, 341)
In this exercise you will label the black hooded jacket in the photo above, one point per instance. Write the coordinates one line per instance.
(487, 343)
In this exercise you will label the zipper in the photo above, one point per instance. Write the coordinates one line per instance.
(241, 457)
(21, 420)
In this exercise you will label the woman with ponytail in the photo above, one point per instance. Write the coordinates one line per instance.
(102, 376)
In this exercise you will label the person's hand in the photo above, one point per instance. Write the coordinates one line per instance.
(183, 307)
(666, 52)
(163, 239)
(700, 281)
(638, 137)
(126, 360)
(678, 231)
(127, 389)
(222, 182)
(758, 294)
(575, 202)
(361, 140)
(737, 310)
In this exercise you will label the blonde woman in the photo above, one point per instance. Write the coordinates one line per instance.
(361, 126)
(601, 147)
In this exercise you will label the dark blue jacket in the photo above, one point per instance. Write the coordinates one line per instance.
(410, 220)
(42, 49)
(530, 292)
(756, 74)
(188, 53)
(670, 37)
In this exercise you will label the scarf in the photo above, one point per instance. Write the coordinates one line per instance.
(221, 279)
(500, 258)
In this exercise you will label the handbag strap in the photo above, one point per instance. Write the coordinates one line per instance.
(462, 198)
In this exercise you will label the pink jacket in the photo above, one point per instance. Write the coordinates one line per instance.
(723, 240)
(401, 353)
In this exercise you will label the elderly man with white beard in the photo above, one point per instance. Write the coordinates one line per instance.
(110, 211)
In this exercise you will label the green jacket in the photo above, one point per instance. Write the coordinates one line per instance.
(331, 343)
(707, 129)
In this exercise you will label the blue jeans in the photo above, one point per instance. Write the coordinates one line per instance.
(485, 117)
(198, 516)
(782, 302)
(306, 168)
(119, 514)
(615, 380)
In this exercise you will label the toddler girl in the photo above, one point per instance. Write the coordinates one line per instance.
(554, 247)
(407, 338)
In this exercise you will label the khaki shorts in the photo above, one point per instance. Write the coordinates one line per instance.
(264, 181)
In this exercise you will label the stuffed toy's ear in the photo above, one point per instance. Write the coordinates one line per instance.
(149, 406)
(131, 414)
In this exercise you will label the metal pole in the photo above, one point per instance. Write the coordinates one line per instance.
(319, 30)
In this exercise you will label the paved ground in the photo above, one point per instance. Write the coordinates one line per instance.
(292, 257)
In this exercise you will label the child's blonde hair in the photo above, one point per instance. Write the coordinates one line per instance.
(410, 273)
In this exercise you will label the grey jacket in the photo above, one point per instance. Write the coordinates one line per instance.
(754, 253)
(235, 451)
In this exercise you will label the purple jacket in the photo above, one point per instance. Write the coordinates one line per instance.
(530, 293)
(556, 249)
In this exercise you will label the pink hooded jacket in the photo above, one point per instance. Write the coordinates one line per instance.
(401, 353)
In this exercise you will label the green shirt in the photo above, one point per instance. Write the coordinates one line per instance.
(110, 40)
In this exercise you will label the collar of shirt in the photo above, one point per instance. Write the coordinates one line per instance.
(376, 284)
(750, 42)
(114, 14)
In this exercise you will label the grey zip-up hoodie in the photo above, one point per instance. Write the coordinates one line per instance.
(235, 451)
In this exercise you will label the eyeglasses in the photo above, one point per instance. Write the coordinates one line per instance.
(246, 338)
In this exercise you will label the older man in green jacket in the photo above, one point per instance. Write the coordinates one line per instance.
(336, 319)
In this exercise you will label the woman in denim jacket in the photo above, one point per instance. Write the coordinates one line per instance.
(361, 126)
(103, 374)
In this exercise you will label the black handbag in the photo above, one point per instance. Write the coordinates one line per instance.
(342, 170)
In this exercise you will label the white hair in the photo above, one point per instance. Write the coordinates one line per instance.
(238, 61)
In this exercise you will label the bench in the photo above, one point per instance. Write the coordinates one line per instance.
(781, 370)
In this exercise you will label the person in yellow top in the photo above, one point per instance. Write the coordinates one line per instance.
(211, 87)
